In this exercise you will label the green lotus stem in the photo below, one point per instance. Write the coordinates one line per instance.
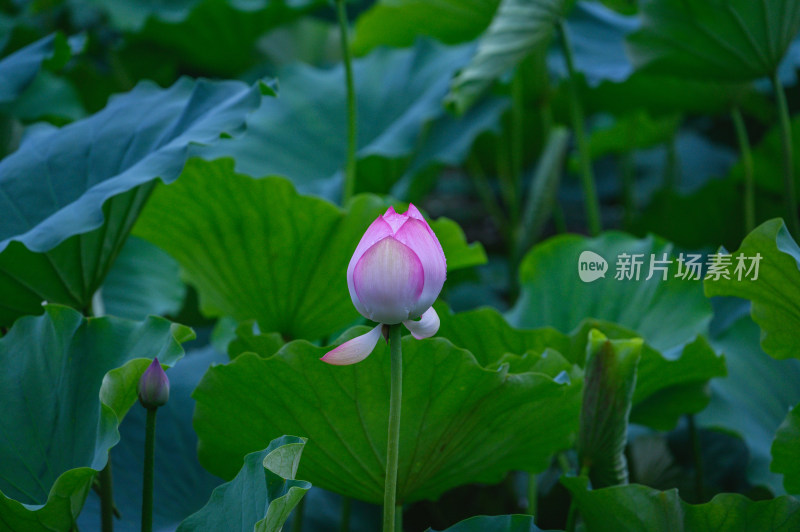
(587, 175)
(628, 175)
(297, 521)
(344, 522)
(563, 463)
(105, 480)
(506, 180)
(533, 494)
(697, 456)
(788, 165)
(671, 166)
(517, 142)
(572, 516)
(106, 498)
(149, 464)
(628, 187)
(393, 445)
(747, 165)
(559, 220)
(481, 183)
(352, 131)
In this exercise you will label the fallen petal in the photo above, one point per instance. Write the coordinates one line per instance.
(355, 350)
(426, 327)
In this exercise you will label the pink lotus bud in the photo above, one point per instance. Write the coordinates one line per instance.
(395, 275)
(154, 386)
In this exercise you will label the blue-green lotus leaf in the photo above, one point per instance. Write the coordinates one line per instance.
(19, 69)
(635, 507)
(402, 126)
(67, 382)
(260, 497)
(70, 195)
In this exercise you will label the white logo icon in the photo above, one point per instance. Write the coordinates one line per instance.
(591, 266)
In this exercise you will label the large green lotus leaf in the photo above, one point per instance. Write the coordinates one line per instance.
(133, 16)
(775, 293)
(71, 195)
(399, 22)
(7, 24)
(495, 523)
(446, 142)
(726, 40)
(249, 339)
(634, 131)
(468, 330)
(667, 385)
(144, 280)
(754, 398)
(18, 70)
(786, 451)
(214, 37)
(519, 28)
(255, 249)
(49, 97)
(598, 44)
(260, 497)
(71, 272)
(667, 388)
(635, 508)
(554, 295)
(460, 422)
(399, 94)
(67, 382)
(73, 177)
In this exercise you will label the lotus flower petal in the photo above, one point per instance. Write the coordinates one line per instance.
(354, 350)
(378, 230)
(394, 220)
(413, 212)
(153, 386)
(418, 236)
(388, 281)
(425, 327)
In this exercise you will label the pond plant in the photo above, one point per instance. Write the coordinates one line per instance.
(399, 265)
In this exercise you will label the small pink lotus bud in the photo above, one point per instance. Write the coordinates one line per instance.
(154, 386)
(394, 276)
